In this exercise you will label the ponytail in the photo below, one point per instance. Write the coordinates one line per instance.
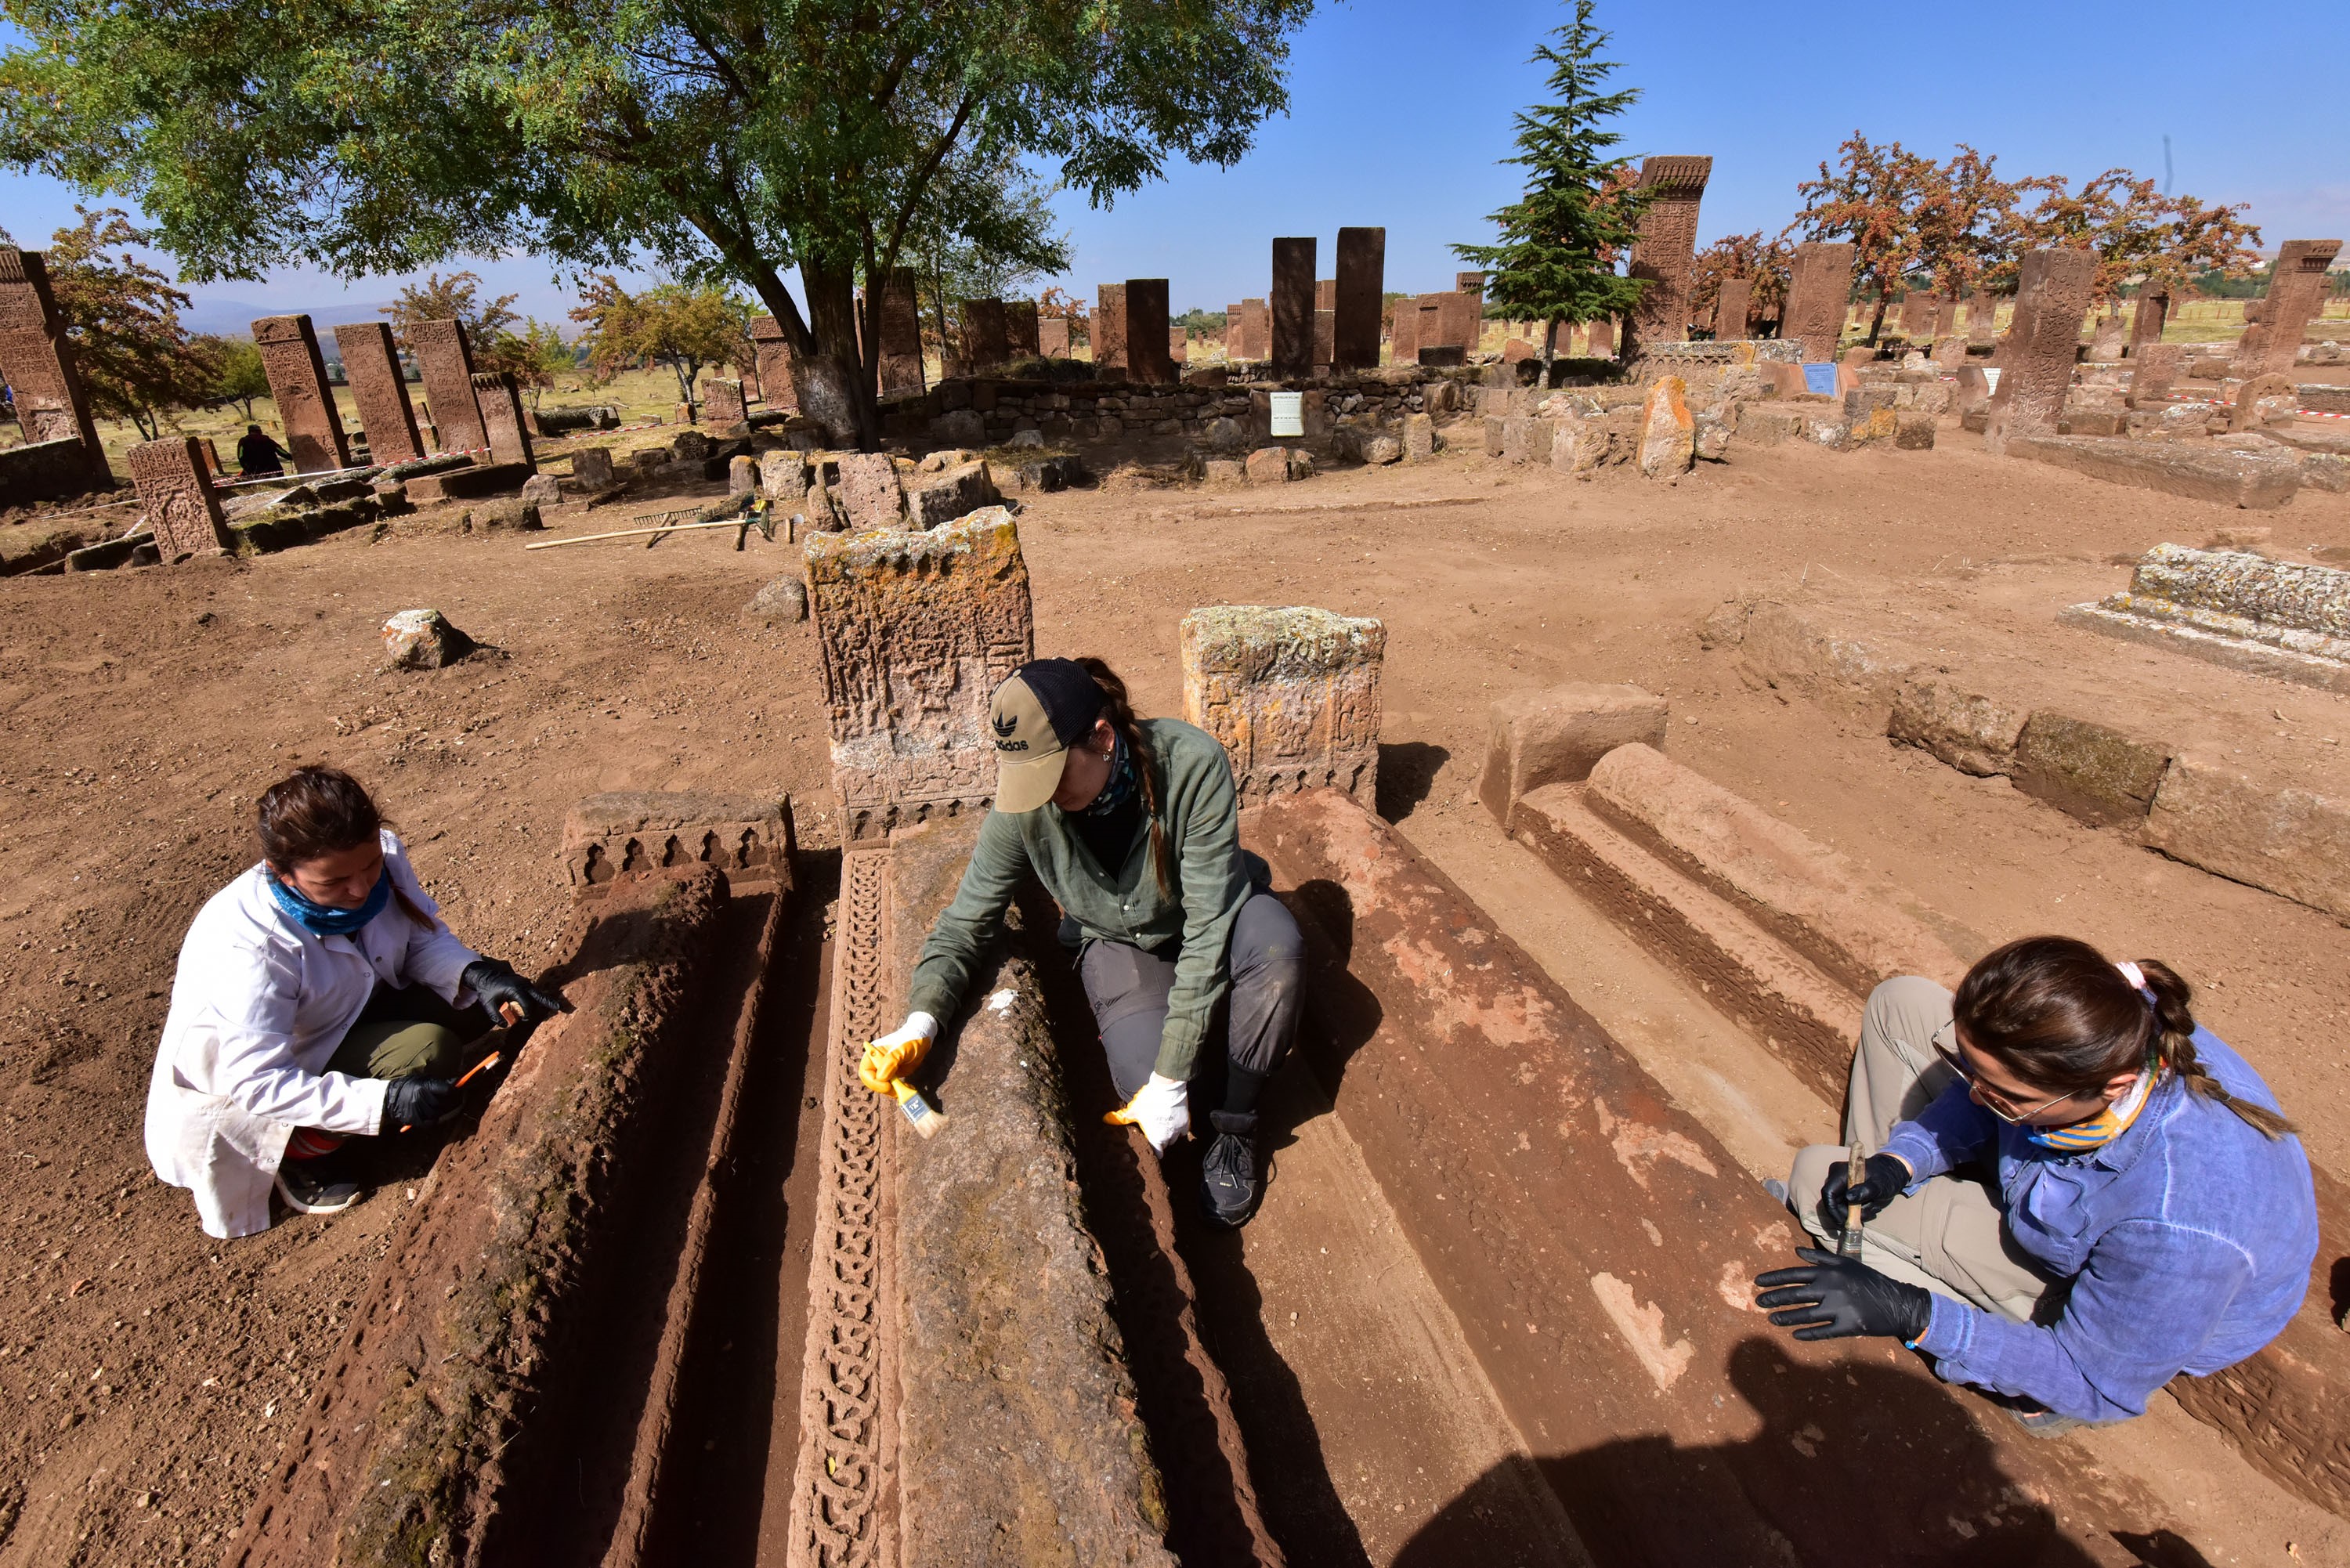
(1121, 715)
(2176, 1047)
(2059, 1015)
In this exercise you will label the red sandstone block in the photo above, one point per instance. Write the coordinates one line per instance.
(1555, 736)
(2088, 770)
(2293, 842)
(2261, 481)
(1793, 648)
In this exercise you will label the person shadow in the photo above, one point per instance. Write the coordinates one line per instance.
(1910, 1479)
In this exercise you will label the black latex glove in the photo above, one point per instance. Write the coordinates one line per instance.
(1837, 1297)
(410, 1103)
(495, 984)
(1882, 1179)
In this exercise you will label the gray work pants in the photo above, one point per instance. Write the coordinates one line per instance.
(1949, 1235)
(1129, 986)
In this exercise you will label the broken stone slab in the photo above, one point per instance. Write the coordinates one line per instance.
(1913, 430)
(869, 495)
(1382, 449)
(423, 640)
(1292, 693)
(2258, 481)
(1266, 465)
(2286, 840)
(1965, 729)
(1668, 432)
(2278, 618)
(1558, 735)
(467, 483)
(1796, 649)
(1610, 1346)
(542, 490)
(940, 498)
(634, 833)
(1858, 929)
(1419, 441)
(781, 602)
(1017, 1408)
(2088, 770)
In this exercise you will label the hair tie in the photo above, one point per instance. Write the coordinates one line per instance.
(2136, 977)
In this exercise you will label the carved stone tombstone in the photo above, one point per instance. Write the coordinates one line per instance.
(1818, 289)
(1052, 337)
(1256, 330)
(1294, 695)
(177, 494)
(916, 632)
(1665, 247)
(297, 384)
(774, 355)
(1293, 307)
(1109, 326)
(2043, 344)
(2154, 370)
(1983, 318)
(901, 337)
(985, 341)
(2153, 311)
(723, 404)
(1020, 328)
(505, 431)
(444, 359)
(371, 366)
(37, 358)
(2296, 294)
(1148, 361)
(1731, 309)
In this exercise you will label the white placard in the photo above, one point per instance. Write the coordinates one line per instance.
(1289, 413)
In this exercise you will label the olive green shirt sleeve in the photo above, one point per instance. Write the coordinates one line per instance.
(1214, 885)
(951, 952)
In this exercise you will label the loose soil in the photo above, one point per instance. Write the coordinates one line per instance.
(149, 1372)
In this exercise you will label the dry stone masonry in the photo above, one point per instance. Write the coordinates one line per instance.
(1294, 695)
(916, 632)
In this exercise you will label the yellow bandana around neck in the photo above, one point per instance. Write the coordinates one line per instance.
(2105, 1125)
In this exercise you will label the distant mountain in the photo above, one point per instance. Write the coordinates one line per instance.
(234, 318)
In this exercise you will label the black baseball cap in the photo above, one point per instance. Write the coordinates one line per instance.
(1044, 709)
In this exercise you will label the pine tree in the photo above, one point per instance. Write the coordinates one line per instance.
(1561, 242)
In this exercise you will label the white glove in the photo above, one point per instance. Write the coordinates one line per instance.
(1161, 1108)
(895, 1055)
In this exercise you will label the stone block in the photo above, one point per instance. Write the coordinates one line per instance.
(422, 639)
(2279, 619)
(1419, 438)
(723, 406)
(782, 601)
(1267, 465)
(2290, 841)
(592, 466)
(1913, 430)
(917, 630)
(1793, 649)
(1973, 733)
(2087, 770)
(935, 499)
(636, 832)
(869, 495)
(183, 510)
(959, 427)
(1715, 424)
(1293, 693)
(543, 490)
(2154, 370)
(2256, 479)
(1223, 470)
(1668, 432)
(1555, 736)
(1382, 449)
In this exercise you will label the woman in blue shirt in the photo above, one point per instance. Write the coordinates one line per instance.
(2078, 1192)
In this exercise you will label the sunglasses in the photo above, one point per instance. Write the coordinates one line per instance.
(1991, 1099)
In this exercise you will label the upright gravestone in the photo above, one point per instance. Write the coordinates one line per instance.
(1326, 340)
(2296, 294)
(1461, 319)
(1326, 293)
(774, 355)
(1362, 275)
(901, 337)
(297, 384)
(985, 341)
(1602, 338)
(1733, 308)
(444, 359)
(37, 358)
(178, 498)
(1664, 248)
(1293, 307)
(1052, 337)
(1294, 695)
(1256, 331)
(2152, 313)
(1020, 333)
(1179, 345)
(1147, 359)
(371, 366)
(1109, 328)
(1819, 285)
(1403, 337)
(2154, 370)
(1438, 331)
(917, 630)
(723, 404)
(1983, 318)
(1235, 335)
(2043, 346)
(504, 429)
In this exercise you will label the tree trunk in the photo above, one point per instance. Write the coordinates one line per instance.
(1550, 345)
(1877, 322)
(834, 389)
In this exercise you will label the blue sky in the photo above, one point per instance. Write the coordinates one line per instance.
(1399, 111)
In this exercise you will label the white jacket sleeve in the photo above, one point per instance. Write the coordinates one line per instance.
(434, 955)
(249, 1017)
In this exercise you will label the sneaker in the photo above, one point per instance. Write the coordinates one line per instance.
(1777, 1189)
(1228, 1179)
(315, 1187)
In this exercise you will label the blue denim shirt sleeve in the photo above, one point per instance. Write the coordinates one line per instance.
(1948, 1133)
(2107, 1353)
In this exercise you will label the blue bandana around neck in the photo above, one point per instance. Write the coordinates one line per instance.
(322, 920)
(1120, 787)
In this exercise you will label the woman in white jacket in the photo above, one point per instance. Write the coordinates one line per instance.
(318, 996)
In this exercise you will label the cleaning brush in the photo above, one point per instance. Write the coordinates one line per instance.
(926, 1118)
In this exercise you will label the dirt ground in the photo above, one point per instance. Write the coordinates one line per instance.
(146, 1371)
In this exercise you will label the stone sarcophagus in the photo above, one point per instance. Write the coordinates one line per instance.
(916, 632)
(1294, 695)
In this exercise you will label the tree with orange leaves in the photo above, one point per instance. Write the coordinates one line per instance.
(1766, 262)
(2138, 233)
(1872, 198)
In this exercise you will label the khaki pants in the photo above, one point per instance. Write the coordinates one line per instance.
(1948, 1235)
(409, 1032)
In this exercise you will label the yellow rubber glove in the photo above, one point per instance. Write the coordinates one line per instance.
(893, 1056)
(1161, 1108)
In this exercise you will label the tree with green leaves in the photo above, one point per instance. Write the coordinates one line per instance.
(457, 298)
(238, 374)
(686, 328)
(723, 140)
(534, 357)
(136, 361)
(1561, 242)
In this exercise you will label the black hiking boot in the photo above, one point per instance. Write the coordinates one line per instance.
(1228, 1179)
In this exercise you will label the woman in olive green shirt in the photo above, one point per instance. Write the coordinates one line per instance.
(1134, 827)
